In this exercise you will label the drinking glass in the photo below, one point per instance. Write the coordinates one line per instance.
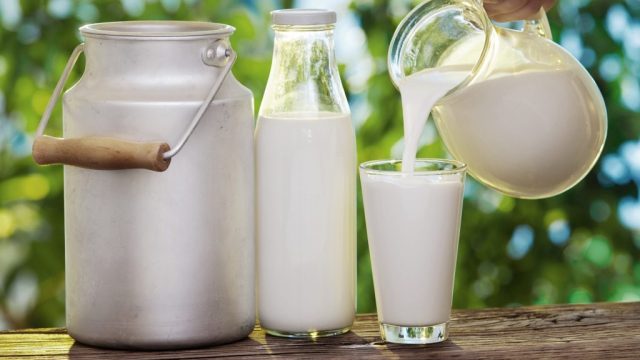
(413, 226)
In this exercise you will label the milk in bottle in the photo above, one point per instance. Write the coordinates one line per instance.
(306, 182)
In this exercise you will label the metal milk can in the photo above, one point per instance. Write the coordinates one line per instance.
(163, 258)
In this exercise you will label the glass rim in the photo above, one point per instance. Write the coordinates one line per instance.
(459, 167)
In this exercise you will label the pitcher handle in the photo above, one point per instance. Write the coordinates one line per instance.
(539, 25)
(104, 153)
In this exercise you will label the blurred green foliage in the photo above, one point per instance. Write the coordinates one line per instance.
(581, 246)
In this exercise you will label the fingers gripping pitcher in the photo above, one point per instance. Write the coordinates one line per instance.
(518, 109)
(156, 259)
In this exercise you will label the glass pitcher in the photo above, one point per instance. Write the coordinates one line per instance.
(523, 113)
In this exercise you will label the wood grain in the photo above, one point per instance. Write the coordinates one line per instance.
(597, 331)
(100, 153)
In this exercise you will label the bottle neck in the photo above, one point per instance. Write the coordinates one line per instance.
(288, 36)
(304, 51)
(304, 74)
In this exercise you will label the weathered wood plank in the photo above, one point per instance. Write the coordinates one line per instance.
(595, 331)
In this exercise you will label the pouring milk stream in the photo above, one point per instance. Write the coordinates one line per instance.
(420, 92)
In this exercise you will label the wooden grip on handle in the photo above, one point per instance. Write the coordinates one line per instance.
(100, 153)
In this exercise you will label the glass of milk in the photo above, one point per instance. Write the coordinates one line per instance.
(413, 225)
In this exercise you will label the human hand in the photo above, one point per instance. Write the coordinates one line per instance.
(511, 10)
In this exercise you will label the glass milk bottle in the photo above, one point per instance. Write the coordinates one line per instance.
(306, 184)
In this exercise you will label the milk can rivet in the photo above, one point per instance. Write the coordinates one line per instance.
(217, 53)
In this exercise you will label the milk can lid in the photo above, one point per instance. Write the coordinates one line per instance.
(303, 17)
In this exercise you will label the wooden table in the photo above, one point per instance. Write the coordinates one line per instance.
(598, 331)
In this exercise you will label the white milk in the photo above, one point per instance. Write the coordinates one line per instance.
(306, 171)
(526, 133)
(413, 228)
(529, 133)
(420, 92)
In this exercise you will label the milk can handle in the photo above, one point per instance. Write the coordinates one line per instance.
(103, 153)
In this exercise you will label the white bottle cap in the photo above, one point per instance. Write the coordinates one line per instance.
(303, 17)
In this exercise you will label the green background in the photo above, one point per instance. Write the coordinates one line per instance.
(581, 246)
